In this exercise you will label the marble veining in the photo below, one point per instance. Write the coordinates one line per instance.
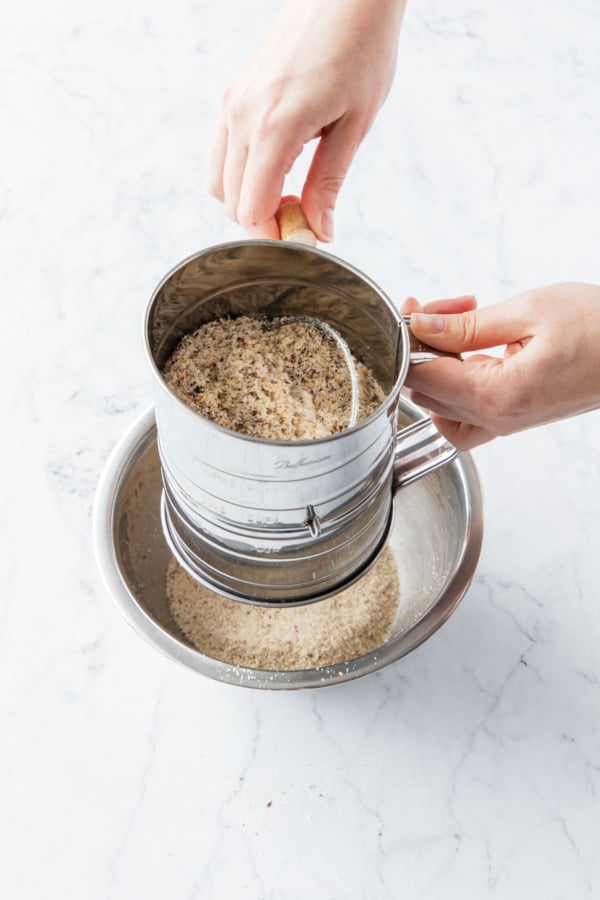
(469, 769)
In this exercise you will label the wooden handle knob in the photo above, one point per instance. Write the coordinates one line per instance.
(293, 225)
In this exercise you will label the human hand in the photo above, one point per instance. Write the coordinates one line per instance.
(323, 70)
(550, 369)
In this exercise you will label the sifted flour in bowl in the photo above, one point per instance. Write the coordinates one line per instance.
(331, 631)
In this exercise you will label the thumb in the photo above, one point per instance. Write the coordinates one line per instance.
(330, 164)
(476, 329)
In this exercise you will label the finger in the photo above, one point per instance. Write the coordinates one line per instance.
(216, 161)
(460, 304)
(270, 228)
(410, 305)
(334, 154)
(453, 305)
(233, 174)
(267, 229)
(462, 435)
(464, 385)
(448, 410)
(268, 162)
(455, 425)
(476, 329)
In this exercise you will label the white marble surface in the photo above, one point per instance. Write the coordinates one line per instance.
(471, 768)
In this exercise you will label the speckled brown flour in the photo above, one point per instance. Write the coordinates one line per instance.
(280, 378)
(328, 632)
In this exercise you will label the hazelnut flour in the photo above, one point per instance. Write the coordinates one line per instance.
(324, 633)
(281, 379)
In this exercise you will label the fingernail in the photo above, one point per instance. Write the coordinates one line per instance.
(327, 225)
(428, 323)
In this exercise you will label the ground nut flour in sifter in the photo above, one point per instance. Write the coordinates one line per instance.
(282, 379)
(330, 631)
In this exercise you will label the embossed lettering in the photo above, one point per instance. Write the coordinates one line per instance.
(288, 464)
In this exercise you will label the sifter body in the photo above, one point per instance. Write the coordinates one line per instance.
(281, 522)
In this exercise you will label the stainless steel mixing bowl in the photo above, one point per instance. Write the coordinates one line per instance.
(435, 537)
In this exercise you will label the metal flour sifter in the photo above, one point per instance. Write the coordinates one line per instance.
(284, 522)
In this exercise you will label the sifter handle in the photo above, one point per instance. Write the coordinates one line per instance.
(293, 224)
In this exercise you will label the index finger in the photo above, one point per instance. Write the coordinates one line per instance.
(267, 164)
